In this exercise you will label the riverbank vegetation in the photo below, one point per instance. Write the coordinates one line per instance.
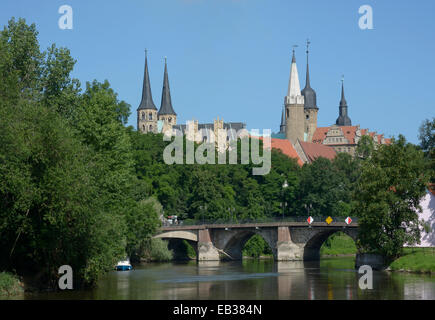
(79, 187)
(418, 260)
(10, 285)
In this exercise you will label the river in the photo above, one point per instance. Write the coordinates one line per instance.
(329, 278)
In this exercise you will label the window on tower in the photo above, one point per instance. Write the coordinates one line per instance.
(150, 116)
(151, 127)
(143, 115)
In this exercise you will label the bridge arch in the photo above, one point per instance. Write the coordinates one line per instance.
(175, 239)
(235, 243)
(179, 234)
(315, 242)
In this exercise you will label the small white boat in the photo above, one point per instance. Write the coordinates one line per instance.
(123, 265)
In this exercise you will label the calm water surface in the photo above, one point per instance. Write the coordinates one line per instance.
(330, 278)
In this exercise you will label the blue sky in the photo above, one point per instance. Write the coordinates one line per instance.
(231, 58)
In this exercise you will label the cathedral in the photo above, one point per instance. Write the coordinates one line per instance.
(148, 118)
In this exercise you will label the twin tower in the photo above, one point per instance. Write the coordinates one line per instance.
(148, 118)
(299, 114)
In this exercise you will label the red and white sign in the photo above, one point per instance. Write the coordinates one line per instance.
(310, 220)
(348, 220)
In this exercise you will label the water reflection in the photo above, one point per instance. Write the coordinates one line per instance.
(331, 279)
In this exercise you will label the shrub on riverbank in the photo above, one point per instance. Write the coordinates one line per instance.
(157, 250)
(415, 260)
(9, 285)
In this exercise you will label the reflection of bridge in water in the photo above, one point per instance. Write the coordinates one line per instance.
(289, 240)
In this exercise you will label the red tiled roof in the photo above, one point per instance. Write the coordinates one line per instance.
(285, 146)
(314, 150)
(349, 133)
(320, 134)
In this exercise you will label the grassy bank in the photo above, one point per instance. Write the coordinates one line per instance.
(10, 285)
(338, 244)
(420, 260)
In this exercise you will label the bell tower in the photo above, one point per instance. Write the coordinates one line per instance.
(310, 105)
(294, 106)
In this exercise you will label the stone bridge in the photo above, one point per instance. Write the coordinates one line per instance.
(289, 241)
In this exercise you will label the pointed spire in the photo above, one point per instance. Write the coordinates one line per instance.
(343, 101)
(343, 119)
(310, 97)
(166, 103)
(147, 98)
(294, 88)
(294, 57)
(307, 83)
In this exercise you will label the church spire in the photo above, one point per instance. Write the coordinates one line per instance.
(147, 98)
(310, 97)
(166, 103)
(307, 81)
(343, 102)
(343, 119)
(294, 88)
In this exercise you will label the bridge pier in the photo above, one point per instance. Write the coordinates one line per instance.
(206, 249)
(286, 249)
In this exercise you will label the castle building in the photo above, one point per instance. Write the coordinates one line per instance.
(148, 118)
(219, 132)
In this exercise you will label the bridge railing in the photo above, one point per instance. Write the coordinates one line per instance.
(193, 222)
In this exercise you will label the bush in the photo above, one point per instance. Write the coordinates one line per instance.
(9, 285)
(256, 246)
(156, 250)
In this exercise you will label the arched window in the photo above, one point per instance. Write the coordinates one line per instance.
(151, 127)
(143, 115)
(169, 119)
(143, 127)
(150, 116)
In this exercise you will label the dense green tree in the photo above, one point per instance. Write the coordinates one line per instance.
(365, 147)
(387, 198)
(69, 192)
